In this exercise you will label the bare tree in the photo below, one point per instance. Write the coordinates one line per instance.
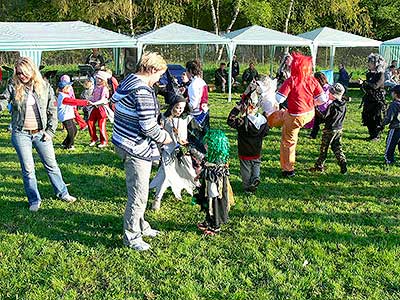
(288, 15)
(229, 28)
(214, 17)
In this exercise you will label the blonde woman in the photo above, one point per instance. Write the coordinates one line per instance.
(136, 134)
(34, 123)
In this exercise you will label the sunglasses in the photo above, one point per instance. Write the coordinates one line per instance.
(19, 73)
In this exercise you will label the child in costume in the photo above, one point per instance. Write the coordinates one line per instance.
(393, 119)
(98, 113)
(302, 92)
(373, 101)
(252, 127)
(333, 131)
(266, 91)
(215, 194)
(176, 170)
(87, 94)
(65, 110)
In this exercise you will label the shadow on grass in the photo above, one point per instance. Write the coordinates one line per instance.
(62, 225)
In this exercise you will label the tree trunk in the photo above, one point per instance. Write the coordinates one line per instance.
(235, 15)
(131, 17)
(229, 28)
(288, 16)
(214, 17)
(215, 21)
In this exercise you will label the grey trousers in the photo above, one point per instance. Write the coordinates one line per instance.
(249, 171)
(137, 183)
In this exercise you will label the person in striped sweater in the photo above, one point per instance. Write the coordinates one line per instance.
(136, 134)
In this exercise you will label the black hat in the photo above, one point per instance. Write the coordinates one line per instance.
(177, 98)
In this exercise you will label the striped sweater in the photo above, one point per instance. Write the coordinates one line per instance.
(135, 121)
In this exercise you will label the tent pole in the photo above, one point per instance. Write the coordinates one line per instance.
(332, 56)
(231, 51)
(272, 50)
(36, 55)
(139, 51)
(314, 51)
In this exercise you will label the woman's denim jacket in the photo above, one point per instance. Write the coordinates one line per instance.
(47, 107)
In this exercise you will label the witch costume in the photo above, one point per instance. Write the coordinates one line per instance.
(215, 194)
(373, 100)
(176, 168)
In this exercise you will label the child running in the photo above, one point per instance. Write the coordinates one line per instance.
(176, 170)
(65, 109)
(332, 133)
(98, 114)
(393, 119)
(252, 127)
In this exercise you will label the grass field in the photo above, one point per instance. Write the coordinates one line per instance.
(315, 236)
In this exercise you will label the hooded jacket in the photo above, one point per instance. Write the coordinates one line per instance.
(393, 115)
(335, 115)
(251, 131)
(135, 121)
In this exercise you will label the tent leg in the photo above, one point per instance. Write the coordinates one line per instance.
(332, 56)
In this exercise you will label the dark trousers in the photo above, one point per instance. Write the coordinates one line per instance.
(331, 138)
(249, 171)
(317, 122)
(70, 126)
(392, 140)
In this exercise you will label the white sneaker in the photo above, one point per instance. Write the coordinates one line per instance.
(151, 233)
(34, 207)
(140, 245)
(68, 199)
(102, 145)
(92, 143)
(156, 205)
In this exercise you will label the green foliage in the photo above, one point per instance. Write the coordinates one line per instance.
(384, 15)
(372, 18)
(258, 12)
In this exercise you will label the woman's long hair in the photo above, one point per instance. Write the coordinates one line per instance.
(321, 77)
(301, 67)
(28, 67)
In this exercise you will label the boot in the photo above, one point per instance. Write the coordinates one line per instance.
(343, 167)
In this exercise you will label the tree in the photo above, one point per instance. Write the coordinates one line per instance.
(384, 16)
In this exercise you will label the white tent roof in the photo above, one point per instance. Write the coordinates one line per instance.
(327, 37)
(392, 42)
(258, 35)
(48, 36)
(175, 33)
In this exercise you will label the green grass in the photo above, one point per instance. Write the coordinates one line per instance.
(316, 236)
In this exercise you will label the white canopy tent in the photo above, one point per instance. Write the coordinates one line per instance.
(258, 35)
(390, 50)
(32, 38)
(178, 34)
(332, 38)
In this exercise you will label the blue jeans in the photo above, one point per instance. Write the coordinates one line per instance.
(23, 143)
(137, 182)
